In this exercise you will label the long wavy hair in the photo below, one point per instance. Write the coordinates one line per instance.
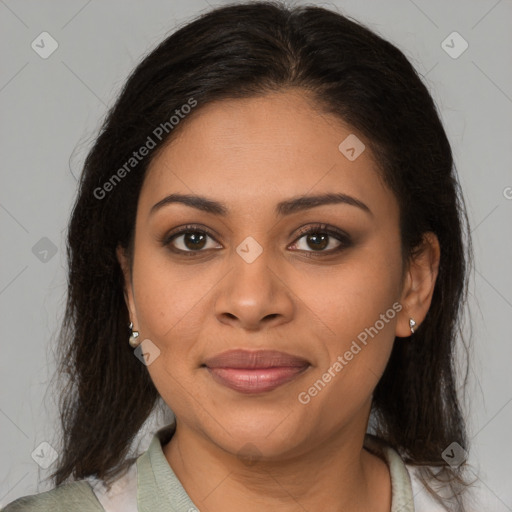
(239, 51)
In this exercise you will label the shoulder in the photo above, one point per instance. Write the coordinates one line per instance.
(477, 496)
(423, 500)
(72, 496)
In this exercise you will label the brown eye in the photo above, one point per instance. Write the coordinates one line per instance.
(189, 240)
(194, 240)
(322, 239)
(317, 241)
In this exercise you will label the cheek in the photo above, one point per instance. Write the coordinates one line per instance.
(166, 303)
(355, 307)
(347, 298)
(166, 294)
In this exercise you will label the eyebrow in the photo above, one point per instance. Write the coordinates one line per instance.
(288, 207)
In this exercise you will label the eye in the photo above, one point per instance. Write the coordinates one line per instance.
(320, 237)
(189, 239)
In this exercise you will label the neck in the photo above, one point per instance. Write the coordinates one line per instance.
(334, 475)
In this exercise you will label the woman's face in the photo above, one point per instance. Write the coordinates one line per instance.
(252, 279)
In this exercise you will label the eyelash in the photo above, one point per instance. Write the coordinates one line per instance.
(325, 229)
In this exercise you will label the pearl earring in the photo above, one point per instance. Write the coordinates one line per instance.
(412, 324)
(134, 342)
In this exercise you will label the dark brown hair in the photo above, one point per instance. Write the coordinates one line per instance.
(245, 50)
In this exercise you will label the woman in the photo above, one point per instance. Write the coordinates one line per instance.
(271, 223)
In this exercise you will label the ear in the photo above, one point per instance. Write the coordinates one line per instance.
(419, 284)
(127, 289)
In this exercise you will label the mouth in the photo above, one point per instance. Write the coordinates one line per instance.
(255, 371)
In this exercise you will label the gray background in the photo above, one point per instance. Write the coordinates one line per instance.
(51, 109)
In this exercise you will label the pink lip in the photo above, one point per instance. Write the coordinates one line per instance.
(255, 371)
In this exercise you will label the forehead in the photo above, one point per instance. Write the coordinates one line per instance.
(253, 150)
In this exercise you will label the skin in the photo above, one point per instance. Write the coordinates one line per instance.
(251, 154)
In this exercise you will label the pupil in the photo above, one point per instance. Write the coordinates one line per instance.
(314, 238)
(194, 238)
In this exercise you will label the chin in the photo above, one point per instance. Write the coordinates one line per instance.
(257, 435)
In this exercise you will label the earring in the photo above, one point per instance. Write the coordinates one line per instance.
(412, 324)
(133, 336)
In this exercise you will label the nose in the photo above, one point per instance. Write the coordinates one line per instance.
(254, 295)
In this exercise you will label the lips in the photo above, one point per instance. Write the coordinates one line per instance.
(255, 371)
(254, 359)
